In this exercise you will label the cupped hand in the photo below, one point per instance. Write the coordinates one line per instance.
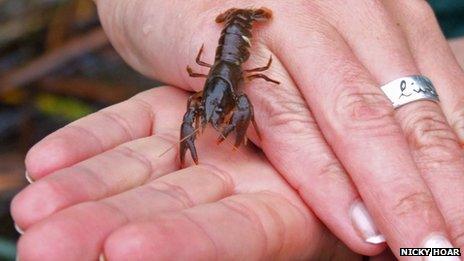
(327, 128)
(131, 201)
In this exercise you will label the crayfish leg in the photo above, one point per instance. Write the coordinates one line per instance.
(261, 69)
(225, 15)
(198, 58)
(262, 76)
(194, 74)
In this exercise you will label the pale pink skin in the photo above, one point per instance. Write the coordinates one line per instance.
(330, 134)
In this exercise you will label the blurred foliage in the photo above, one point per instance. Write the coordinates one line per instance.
(55, 66)
(69, 108)
(13, 97)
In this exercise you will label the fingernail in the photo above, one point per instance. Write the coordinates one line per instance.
(439, 241)
(29, 178)
(364, 224)
(18, 229)
(101, 257)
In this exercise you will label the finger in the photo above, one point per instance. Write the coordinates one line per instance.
(112, 172)
(64, 235)
(294, 143)
(434, 143)
(457, 47)
(357, 121)
(86, 225)
(99, 176)
(372, 34)
(98, 132)
(431, 139)
(434, 58)
(303, 157)
(257, 226)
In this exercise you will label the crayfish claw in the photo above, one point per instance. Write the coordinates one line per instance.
(188, 144)
(187, 132)
(242, 118)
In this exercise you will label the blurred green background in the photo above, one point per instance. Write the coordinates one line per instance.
(56, 66)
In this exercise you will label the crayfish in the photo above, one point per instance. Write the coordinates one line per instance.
(221, 103)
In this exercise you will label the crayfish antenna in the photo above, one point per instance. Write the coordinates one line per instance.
(177, 143)
(234, 148)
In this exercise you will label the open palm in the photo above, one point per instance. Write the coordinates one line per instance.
(104, 186)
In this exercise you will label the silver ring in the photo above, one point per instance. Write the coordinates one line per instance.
(410, 89)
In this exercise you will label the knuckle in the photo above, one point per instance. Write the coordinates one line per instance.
(135, 156)
(265, 202)
(317, 32)
(331, 166)
(176, 192)
(290, 121)
(118, 122)
(252, 221)
(359, 109)
(225, 177)
(422, 8)
(76, 128)
(458, 122)
(169, 136)
(243, 209)
(429, 134)
(413, 202)
(274, 204)
(419, 12)
(285, 111)
(328, 172)
(333, 170)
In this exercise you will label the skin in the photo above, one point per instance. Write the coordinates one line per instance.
(338, 138)
(149, 200)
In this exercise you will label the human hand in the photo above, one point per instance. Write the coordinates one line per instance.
(328, 129)
(132, 203)
(403, 163)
